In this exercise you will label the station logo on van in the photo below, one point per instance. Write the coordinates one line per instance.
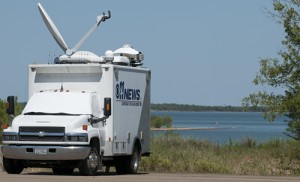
(128, 96)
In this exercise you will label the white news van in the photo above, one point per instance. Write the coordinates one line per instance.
(82, 113)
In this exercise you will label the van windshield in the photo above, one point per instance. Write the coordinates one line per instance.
(59, 103)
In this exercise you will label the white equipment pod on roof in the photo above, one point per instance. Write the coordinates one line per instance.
(135, 57)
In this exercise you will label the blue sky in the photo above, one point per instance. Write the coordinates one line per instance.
(203, 52)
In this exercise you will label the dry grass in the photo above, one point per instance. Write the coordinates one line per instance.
(175, 154)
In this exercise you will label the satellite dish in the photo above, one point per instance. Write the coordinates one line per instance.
(70, 53)
(52, 28)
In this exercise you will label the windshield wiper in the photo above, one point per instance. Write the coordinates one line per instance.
(44, 113)
(36, 113)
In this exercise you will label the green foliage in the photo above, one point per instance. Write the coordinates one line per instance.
(167, 121)
(158, 121)
(6, 119)
(283, 73)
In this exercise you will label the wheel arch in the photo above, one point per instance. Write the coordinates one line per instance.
(96, 143)
(137, 143)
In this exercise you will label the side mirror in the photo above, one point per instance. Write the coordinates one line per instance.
(107, 106)
(11, 105)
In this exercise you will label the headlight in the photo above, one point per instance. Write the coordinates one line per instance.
(10, 136)
(77, 137)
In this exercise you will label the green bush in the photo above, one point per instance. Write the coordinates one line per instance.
(158, 121)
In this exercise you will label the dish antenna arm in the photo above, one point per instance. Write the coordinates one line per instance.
(100, 19)
(105, 17)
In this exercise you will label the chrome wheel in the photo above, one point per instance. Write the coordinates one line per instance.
(128, 164)
(90, 165)
(93, 161)
(135, 161)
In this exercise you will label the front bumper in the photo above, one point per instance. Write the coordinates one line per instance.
(29, 152)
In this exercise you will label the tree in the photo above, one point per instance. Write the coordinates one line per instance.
(167, 121)
(282, 73)
(158, 121)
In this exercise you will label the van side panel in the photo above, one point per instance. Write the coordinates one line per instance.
(131, 110)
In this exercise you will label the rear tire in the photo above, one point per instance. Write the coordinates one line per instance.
(128, 164)
(134, 161)
(12, 166)
(90, 165)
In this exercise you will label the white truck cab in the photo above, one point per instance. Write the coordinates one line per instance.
(82, 113)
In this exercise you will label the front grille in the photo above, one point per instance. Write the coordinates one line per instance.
(41, 133)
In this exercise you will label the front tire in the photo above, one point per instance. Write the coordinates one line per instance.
(12, 166)
(90, 165)
(62, 171)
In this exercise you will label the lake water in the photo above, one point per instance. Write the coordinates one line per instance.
(234, 126)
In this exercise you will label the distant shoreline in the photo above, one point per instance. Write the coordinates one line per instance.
(182, 129)
(200, 108)
(152, 110)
